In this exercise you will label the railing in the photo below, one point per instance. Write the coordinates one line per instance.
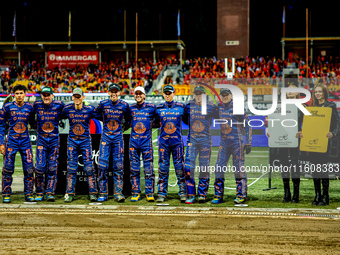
(166, 71)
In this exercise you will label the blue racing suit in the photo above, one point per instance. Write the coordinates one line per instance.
(232, 144)
(116, 118)
(18, 139)
(47, 145)
(170, 115)
(199, 142)
(79, 140)
(141, 142)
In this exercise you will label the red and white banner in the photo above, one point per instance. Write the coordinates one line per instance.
(71, 58)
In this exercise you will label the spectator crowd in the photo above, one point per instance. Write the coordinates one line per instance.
(324, 69)
(96, 78)
(91, 78)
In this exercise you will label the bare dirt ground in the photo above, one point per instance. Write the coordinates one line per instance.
(45, 231)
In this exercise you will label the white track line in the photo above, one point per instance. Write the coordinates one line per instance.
(169, 211)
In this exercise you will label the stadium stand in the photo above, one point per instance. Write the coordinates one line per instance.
(95, 78)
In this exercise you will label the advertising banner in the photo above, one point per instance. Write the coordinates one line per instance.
(256, 89)
(283, 135)
(182, 89)
(71, 58)
(315, 128)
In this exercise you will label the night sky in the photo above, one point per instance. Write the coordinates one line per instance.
(104, 21)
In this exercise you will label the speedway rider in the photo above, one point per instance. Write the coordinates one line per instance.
(199, 143)
(18, 114)
(169, 116)
(143, 115)
(232, 144)
(115, 115)
(47, 111)
(79, 140)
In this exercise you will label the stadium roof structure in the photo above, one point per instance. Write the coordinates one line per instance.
(153, 49)
(311, 39)
(317, 46)
(158, 44)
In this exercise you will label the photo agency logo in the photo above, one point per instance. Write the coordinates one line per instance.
(239, 103)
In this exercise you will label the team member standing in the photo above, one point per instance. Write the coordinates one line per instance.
(199, 142)
(79, 140)
(116, 119)
(18, 114)
(319, 99)
(232, 144)
(143, 115)
(169, 115)
(288, 158)
(48, 112)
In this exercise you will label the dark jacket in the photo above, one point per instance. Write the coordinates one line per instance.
(335, 124)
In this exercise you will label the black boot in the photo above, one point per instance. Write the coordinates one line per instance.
(317, 187)
(296, 183)
(287, 196)
(325, 190)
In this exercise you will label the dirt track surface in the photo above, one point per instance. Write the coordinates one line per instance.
(60, 231)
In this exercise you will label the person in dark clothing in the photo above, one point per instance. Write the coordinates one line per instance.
(319, 99)
(18, 114)
(289, 157)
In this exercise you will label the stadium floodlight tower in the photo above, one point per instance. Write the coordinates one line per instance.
(230, 75)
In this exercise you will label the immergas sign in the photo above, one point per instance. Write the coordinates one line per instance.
(71, 58)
